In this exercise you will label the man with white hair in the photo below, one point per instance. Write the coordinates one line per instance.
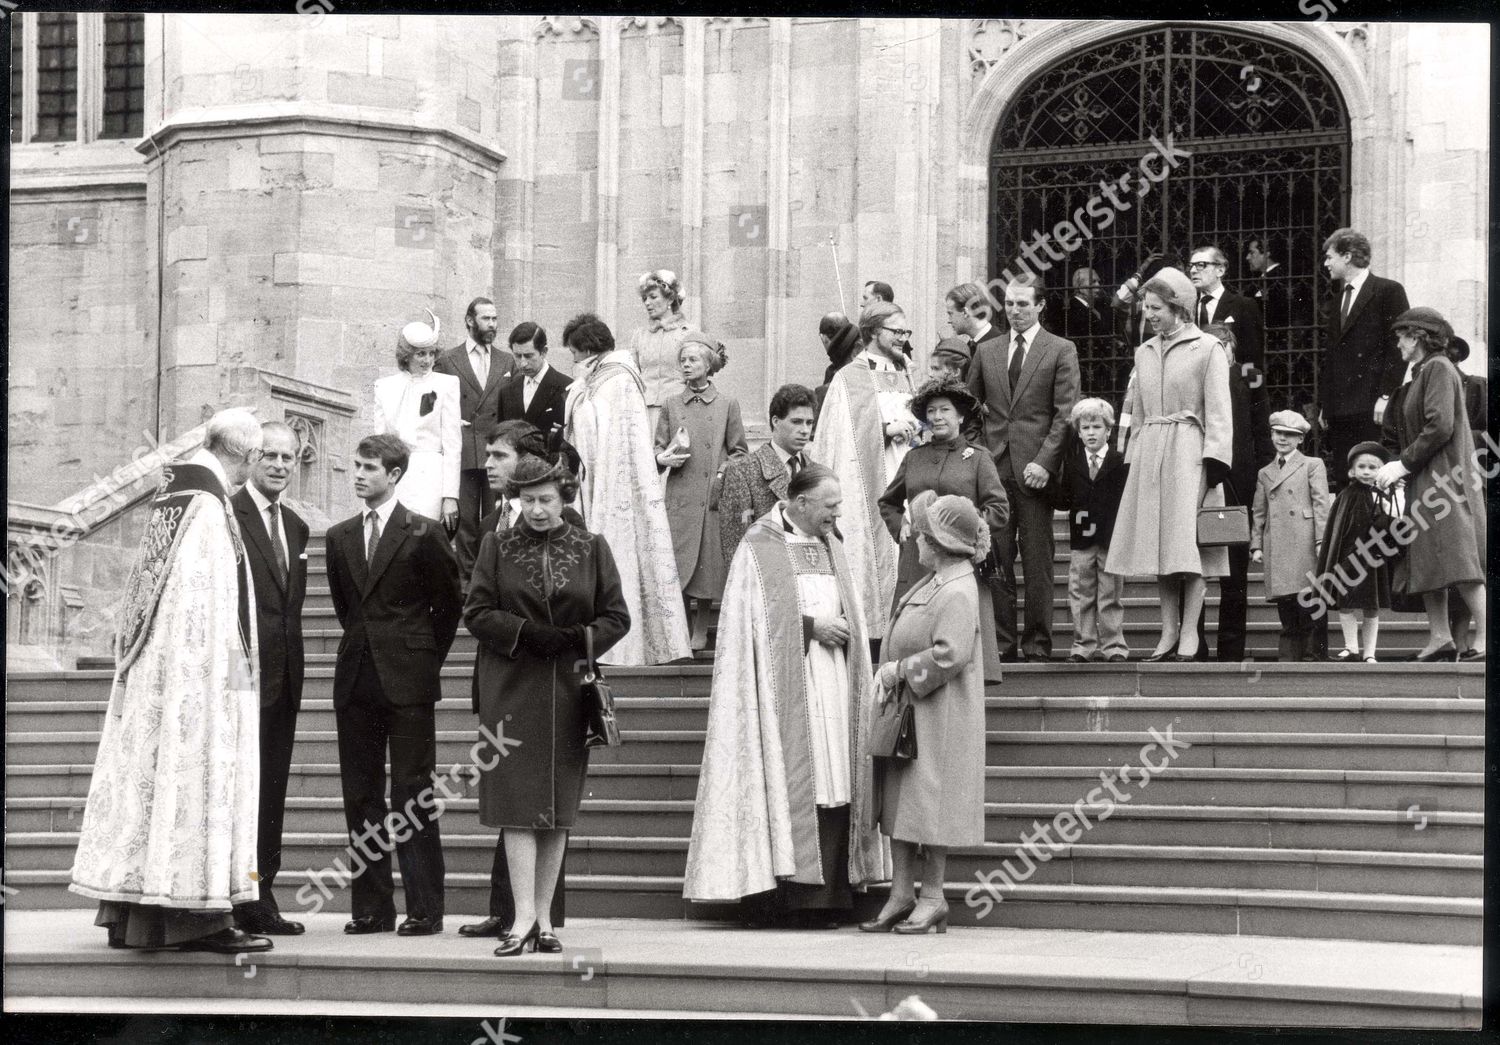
(168, 841)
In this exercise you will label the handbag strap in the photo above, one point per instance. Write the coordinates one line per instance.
(588, 648)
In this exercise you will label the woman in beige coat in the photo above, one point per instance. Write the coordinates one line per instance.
(1180, 447)
(935, 801)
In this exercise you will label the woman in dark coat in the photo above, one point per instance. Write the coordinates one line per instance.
(536, 588)
(947, 464)
(1444, 547)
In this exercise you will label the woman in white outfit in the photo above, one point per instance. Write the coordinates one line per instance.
(422, 408)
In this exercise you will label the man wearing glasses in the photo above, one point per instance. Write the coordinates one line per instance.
(1218, 304)
(864, 431)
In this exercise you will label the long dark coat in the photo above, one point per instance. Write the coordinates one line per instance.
(563, 577)
(716, 436)
(1356, 512)
(1435, 439)
(948, 468)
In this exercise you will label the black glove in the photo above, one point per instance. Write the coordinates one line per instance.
(1216, 471)
(544, 640)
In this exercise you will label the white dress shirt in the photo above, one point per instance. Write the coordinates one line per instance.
(530, 385)
(383, 513)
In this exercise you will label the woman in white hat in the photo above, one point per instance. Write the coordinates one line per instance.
(1181, 445)
(421, 408)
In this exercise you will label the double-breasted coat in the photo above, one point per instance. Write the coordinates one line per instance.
(937, 798)
(1181, 410)
(1288, 520)
(716, 436)
(1433, 431)
(952, 467)
(565, 577)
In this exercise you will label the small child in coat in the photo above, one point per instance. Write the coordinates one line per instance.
(1091, 484)
(1353, 575)
(1289, 517)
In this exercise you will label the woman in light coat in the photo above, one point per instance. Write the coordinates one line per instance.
(421, 408)
(654, 346)
(1180, 446)
(1444, 489)
(932, 656)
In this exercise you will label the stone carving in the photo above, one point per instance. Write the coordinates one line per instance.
(1356, 39)
(991, 38)
(559, 25)
(648, 23)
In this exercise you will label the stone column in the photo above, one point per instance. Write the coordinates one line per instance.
(321, 180)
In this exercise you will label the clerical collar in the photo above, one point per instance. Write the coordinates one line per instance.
(793, 528)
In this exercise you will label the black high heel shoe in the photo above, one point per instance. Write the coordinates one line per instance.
(513, 944)
(1166, 656)
(885, 925)
(1446, 652)
(935, 922)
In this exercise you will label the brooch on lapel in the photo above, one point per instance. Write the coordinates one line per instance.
(968, 453)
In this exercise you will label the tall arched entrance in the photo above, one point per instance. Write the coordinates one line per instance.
(1260, 138)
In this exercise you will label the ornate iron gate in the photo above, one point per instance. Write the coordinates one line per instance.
(1267, 138)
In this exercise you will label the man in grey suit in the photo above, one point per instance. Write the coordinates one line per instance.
(481, 369)
(1028, 382)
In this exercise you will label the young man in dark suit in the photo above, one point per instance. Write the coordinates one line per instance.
(395, 589)
(1361, 367)
(481, 370)
(534, 393)
(275, 540)
(1028, 382)
(1218, 304)
(753, 486)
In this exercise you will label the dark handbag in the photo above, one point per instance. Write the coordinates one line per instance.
(600, 728)
(894, 733)
(1225, 526)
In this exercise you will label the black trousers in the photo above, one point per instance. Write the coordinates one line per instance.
(1302, 634)
(278, 731)
(1234, 592)
(475, 501)
(1028, 530)
(367, 724)
(503, 902)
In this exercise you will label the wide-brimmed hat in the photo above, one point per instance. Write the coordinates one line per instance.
(1369, 446)
(952, 523)
(1289, 421)
(1458, 349)
(1425, 318)
(955, 350)
(1173, 286)
(962, 399)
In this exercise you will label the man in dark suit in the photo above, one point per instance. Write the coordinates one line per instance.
(481, 369)
(503, 452)
(1218, 304)
(1284, 302)
(395, 589)
(754, 485)
(534, 393)
(1360, 367)
(1082, 316)
(275, 541)
(1028, 382)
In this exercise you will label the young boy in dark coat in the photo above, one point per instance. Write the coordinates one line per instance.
(1091, 484)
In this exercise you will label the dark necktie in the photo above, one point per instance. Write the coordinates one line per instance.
(1017, 357)
(1093, 466)
(1280, 463)
(1203, 300)
(1344, 308)
(274, 513)
(794, 463)
(374, 538)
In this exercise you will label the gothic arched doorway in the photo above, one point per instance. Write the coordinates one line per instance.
(1265, 134)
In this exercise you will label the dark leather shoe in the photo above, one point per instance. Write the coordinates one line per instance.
(1471, 654)
(275, 925)
(1165, 657)
(548, 943)
(1116, 658)
(496, 927)
(420, 927)
(227, 941)
(369, 924)
(1038, 658)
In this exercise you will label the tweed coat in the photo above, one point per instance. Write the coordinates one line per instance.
(752, 486)
(938, 798)
(1288, 520)
(1180, 402)
(716, 435)
(1433, 431)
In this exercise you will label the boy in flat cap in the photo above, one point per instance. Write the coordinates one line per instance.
(1289, 517)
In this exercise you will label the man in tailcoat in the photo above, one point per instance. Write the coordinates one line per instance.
(275, 540)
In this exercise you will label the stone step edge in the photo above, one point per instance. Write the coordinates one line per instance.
(1040, 810)
(1156, 896)
(995, 850)
(1446, 778)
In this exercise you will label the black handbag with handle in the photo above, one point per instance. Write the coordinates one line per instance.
(600, 729)
(894, 732)
(1225, 525)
